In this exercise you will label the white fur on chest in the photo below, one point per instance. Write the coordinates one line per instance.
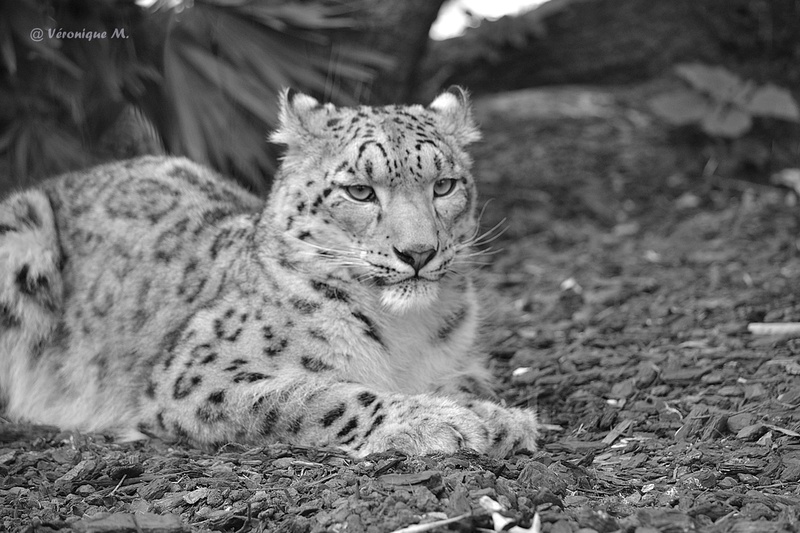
(412, 358)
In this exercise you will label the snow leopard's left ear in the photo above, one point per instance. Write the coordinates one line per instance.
(455, 115)
(301, 118)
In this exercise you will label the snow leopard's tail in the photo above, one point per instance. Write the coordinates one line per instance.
(31, 287)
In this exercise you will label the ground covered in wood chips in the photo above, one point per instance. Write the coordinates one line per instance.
(623, 286)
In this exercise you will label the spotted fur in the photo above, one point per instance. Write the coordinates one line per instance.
(154, 297)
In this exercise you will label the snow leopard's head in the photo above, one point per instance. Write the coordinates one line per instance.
(383, 194)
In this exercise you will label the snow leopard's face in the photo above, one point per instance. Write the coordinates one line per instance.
(383, 193)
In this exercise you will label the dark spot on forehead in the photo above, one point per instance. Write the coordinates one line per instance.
(312, 364)
(304, 306)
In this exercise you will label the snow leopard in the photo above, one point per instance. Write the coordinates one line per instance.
(153, 297)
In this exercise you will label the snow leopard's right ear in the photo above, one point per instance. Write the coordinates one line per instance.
(454, 115)
(300, 118)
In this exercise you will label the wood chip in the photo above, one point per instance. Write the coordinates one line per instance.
(751, 432)
(617, 432)
(407, 479)
(130, 523)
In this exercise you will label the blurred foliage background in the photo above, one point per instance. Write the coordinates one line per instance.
(200, 77)
(197, 78)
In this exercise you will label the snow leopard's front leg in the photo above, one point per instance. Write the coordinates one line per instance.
(260, 407)
(422, 425)
(511, 428)
(227, 376)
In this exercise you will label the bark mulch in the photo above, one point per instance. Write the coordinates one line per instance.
(624, 287)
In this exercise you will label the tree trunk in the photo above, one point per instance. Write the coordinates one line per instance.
(399, 30)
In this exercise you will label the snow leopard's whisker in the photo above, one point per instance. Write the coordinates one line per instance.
(486, 237)
(475, 233)
(480, 217)
(366, 276)
(337, 251)
(480, 263)
(336, 261)
(330, 256)
(348, 265)
(477, 252)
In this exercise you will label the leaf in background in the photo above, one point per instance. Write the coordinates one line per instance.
(45, 146)
(240, 43)
(772, 101)
(46, 51)
(207, 73)
(9, 135)
(726, 121)
(60, 147)
(136, 75)
(227, 60)
(307, 16)
(720, 83)
(350, 62)
(7, 47)
(681, 107)
(64, 92)
(186, 138)
(240, 86)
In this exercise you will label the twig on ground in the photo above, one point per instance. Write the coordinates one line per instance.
(420, 528)
(774, 328)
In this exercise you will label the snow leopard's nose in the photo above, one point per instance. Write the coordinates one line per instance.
(417, 259)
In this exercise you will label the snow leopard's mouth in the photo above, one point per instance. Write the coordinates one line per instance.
(408, 294)
(410, 281)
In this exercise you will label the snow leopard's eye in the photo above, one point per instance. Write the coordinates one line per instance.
(360, 193)
(444, 187)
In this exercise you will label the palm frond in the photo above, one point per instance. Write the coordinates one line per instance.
(206, 74)
(238, 55)
(60, 93)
